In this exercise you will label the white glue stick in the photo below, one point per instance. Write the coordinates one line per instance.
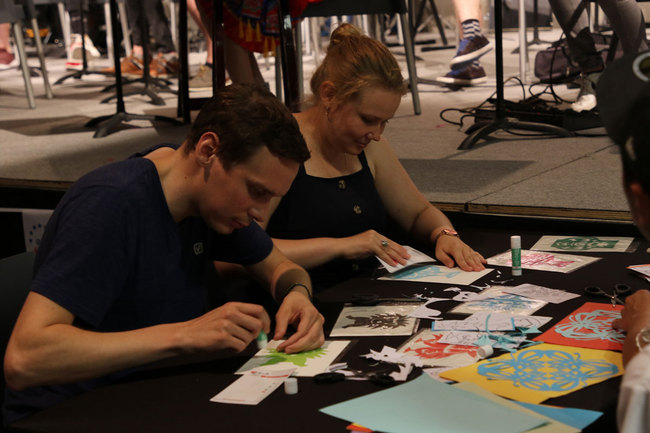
(515, 249)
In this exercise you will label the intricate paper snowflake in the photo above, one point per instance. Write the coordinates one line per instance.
(547, 370)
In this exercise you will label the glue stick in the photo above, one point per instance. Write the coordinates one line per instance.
(515, 249)
(262, 340)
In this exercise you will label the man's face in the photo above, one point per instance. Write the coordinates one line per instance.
(232, 199)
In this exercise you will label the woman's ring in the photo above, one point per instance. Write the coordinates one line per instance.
(384, 244)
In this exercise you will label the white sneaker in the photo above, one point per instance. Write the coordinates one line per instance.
(586, 100)
(74, 53)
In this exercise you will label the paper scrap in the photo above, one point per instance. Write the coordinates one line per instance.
(554, 296)
(437, 274)
(252, 387)
(409, 408)
(601, 244)
(416, 258)
(544, 261)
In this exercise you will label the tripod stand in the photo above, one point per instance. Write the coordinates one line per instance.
(500, 122)
(536, 40)
(147, 79)
(84, 61)
(109, 124)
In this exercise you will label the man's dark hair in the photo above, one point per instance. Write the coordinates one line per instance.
(246, 117)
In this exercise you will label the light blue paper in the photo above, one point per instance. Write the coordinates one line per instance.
(578, 418)
(425, 405)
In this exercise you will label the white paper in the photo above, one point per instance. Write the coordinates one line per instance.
(477, 322)
(427, 311)
(544, 261)
(359, 321)
(601, 244)
(554, 296)
(416, 258)
(500, 302)
(642, 269)
(437, 274)
(306, 364)
(252, 387)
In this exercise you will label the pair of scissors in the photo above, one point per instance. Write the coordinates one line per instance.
(620, 291)
(379, 378)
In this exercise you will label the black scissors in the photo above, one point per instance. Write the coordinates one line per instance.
(379, 378)
(620, 291)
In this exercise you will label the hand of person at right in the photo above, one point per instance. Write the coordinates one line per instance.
(636, 313)
(232, 326)
(371, 243)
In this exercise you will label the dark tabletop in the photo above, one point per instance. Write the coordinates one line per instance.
(176, 398)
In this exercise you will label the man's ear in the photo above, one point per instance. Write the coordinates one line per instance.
(206, 148)
(639, 202)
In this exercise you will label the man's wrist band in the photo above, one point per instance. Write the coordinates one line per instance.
(294, 285)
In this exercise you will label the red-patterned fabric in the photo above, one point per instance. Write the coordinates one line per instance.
(255, 24)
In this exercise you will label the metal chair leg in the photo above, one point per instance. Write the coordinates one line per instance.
(41, 58)
(17, 29)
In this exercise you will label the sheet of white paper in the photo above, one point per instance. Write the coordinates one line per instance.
(500, 302)
(252, 387)
(642, 269)
(554, 296)
(437, 274)
(417, 257)
(307, 364)
(544, 261)
(477, 322)
(470, 338)
(601, 244)
(426, 346)
(359, 321)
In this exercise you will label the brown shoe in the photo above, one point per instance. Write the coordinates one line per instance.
(131, 67)
(161, 67)
(471, 75)
(470, 49)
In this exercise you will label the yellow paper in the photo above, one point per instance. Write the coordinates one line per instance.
(553, 426)
(540, 372)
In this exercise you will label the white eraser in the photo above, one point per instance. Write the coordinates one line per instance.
(291, 386)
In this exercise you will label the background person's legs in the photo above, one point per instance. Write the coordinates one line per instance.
(465, 67)
(77, 9)
(6, 54)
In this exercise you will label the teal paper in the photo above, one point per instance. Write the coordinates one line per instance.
(425, 405)
(578, 418)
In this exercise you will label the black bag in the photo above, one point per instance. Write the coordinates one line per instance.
(554, 64)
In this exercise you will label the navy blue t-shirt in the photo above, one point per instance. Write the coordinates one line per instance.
(115, 258)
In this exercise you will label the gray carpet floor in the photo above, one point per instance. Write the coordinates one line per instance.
(575, 177)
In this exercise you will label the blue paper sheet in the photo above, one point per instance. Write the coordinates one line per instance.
(424, 405)
(578, 418)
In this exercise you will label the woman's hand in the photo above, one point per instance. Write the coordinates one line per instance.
(371, 243)
(451, 250)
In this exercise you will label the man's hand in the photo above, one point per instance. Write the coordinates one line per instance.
(232, 326)
(297, 310)
(636, 313)
(450, 249)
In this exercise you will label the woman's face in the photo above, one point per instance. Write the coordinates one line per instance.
(363, 119)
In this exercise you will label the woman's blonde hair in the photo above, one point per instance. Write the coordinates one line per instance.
(354, 62)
